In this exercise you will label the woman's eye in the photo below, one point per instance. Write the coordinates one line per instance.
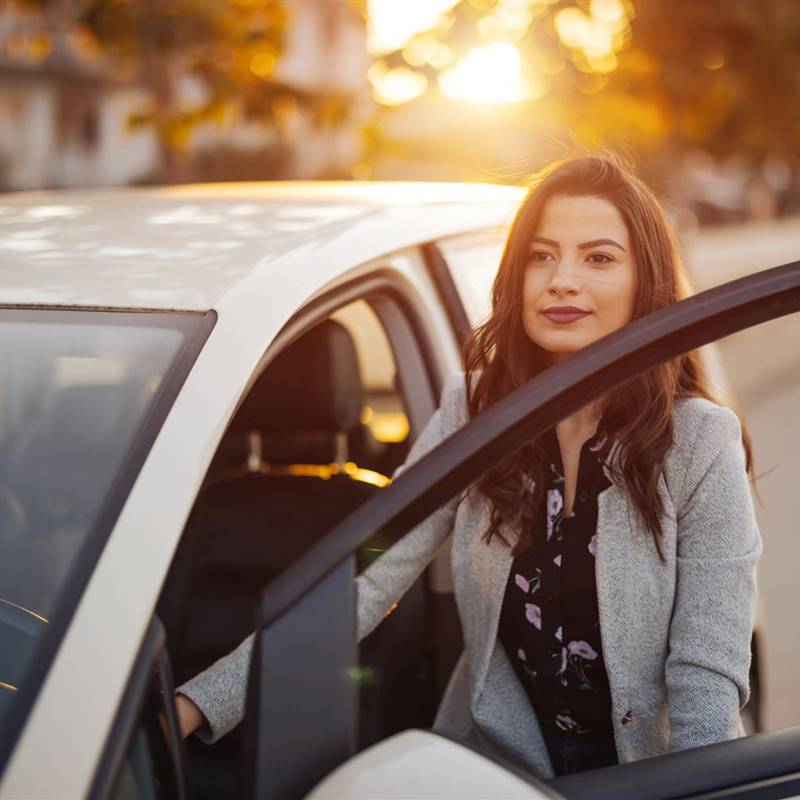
(600, 258)
(540, 255)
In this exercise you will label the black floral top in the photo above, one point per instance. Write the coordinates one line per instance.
(549, 623)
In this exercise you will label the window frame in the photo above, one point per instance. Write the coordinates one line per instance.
(397, 308)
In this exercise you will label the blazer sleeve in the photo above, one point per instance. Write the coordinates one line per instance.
(220, 690)
(718, 546)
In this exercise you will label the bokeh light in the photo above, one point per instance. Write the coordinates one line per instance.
(394, 87)
(596, 36)
(427, 49)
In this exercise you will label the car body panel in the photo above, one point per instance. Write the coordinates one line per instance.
(419, 765)
(189, 247)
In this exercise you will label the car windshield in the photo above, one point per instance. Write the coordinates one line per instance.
(81, 394)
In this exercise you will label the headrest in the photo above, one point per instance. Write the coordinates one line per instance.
(313, 385)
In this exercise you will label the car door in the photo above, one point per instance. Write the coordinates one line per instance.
(301, 714)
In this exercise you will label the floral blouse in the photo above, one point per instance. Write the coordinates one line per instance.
(549, 622)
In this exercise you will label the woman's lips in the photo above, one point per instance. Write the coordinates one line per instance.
(565, 316)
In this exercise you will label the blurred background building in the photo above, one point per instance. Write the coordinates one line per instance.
(99, 94)
(112, 92)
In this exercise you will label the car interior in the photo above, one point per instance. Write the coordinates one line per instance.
(321, 431)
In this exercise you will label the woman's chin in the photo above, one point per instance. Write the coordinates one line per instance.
(557, 351)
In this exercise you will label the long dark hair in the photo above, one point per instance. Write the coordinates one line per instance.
(499, 356)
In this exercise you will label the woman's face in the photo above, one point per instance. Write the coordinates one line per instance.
(580, 258)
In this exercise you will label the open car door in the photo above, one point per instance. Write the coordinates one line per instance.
(301, 719)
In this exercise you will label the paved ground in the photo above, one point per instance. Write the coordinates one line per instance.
(763, 368)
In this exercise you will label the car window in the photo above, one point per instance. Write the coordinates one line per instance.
(78, 392)
(473, 260)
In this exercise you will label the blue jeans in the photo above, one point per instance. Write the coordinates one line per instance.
(575, 752)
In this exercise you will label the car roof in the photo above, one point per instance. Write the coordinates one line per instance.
(185, 247)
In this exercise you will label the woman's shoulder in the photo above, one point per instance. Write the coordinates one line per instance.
(701, 430)
(695, 419)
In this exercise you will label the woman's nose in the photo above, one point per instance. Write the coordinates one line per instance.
(563, 278)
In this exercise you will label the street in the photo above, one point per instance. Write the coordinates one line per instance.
(762, 367)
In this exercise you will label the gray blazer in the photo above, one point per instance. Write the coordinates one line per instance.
(676, 635)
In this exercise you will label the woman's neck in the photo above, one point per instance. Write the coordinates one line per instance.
(583, 422)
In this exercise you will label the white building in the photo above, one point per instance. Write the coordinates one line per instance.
(66, 123)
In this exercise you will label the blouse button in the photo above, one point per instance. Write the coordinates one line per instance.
(627, 719)
(583, 496)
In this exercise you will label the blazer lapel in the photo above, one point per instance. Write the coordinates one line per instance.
(615, 583)
(491, 565)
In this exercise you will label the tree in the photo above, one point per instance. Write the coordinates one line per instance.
(654, 75)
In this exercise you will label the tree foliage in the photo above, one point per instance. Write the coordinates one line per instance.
(721, 75)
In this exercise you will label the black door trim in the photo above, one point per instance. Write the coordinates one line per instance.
(691, 773)
(447, 290)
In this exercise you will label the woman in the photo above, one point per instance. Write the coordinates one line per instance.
(605, 573)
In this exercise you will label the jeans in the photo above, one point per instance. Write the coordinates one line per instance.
(575, 752)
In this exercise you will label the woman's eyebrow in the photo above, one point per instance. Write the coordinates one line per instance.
(598, 242)
(582, 246)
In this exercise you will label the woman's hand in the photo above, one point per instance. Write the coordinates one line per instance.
(190, 717)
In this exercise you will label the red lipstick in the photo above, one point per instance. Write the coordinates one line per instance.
(564, 314)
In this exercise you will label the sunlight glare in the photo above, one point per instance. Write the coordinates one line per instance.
(391, 24)
(489, 74)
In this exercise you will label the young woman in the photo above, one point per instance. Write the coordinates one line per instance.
(605, 573)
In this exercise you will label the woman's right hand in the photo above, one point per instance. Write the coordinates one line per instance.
(190, 717)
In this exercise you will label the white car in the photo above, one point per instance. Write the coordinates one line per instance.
(203, 390)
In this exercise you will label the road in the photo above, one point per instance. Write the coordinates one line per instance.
(762, 366)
